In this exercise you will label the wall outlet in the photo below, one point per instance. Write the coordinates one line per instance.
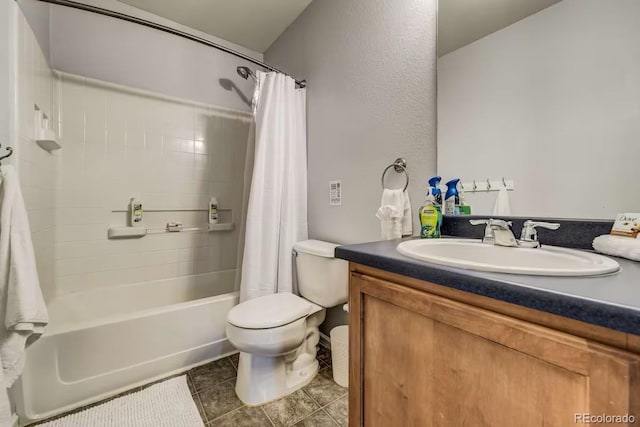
(335, 193)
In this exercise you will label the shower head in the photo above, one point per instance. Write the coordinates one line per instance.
(244, 72)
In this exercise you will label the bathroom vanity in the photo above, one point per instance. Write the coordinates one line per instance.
(440, 346)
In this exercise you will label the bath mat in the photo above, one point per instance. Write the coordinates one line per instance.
(166, 404)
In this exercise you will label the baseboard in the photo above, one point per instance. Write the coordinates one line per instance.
(325, 341)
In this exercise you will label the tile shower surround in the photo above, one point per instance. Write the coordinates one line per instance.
(171, 154)
(36, 85)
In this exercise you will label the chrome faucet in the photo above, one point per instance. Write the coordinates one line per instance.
(498, 232)
(529, 234)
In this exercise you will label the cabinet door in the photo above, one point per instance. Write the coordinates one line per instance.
(423, 360)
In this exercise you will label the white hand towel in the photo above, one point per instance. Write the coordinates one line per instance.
(22, 307)
(399, 199)
(407, 221)
(501, 207)
(390, 222)
(625, 247)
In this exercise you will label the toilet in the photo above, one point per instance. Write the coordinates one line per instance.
(277, 334)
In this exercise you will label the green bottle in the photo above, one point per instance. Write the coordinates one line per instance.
(430, 215)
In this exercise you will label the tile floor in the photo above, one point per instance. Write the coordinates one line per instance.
(322, 403)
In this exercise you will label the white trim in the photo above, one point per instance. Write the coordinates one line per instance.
(233, 113)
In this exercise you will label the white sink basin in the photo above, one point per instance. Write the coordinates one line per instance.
(475, 255)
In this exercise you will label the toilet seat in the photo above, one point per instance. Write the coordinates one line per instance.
(270, 311)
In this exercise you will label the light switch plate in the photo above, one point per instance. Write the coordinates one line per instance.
(335, 193)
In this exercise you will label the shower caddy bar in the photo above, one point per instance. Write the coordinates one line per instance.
(164, 28)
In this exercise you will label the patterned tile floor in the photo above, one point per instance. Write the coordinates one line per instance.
(322, 403)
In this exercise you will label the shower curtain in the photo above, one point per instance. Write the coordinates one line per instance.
(277, 209)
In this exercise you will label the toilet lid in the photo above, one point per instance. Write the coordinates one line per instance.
(269, 311)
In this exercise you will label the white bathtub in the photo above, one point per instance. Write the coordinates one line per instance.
(100, 343)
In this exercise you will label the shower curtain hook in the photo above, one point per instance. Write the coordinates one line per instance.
(488, 185)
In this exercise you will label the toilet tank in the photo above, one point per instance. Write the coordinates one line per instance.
(322, 278)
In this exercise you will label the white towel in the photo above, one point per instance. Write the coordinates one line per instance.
(390, 222)
(625, 247)
(22, 307)
(501, 207)
(400, 199)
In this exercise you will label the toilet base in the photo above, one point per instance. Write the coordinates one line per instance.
(262, 379)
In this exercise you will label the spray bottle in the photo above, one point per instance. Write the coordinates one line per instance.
(452, 198)
(434, 183)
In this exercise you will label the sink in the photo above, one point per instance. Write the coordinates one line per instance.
(475, 255)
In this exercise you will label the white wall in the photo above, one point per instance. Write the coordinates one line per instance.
(552, 101)
(38, 17)
(116, 51)
(35, 85)
(7, 77)
(370, 68)
(172, 155)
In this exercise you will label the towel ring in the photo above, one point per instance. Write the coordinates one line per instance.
(10, 152)
(400, 165)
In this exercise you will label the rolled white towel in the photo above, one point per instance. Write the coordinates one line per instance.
(625, 247)
(390, 222)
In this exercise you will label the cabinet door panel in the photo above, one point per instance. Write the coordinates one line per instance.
(397, 365)
(418, 359)
(481, 383)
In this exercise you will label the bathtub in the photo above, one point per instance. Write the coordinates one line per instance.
(102, 342)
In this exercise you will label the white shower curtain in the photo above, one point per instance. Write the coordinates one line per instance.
(277, 210)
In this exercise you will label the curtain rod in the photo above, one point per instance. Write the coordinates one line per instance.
(164, 28)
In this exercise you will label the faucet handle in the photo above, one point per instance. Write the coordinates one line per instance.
(500, 224)
(529, 232)
(549, 225)
(497, 223)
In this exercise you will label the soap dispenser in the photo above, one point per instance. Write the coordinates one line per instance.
(135, 213)
(430, 216)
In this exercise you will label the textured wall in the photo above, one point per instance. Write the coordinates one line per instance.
(553, 102)
(370, 65)
(371, 98)
(172, 155)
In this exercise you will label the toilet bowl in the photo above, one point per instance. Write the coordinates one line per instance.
(277, 334)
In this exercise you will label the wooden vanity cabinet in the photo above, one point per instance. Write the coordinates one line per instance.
(425, 355)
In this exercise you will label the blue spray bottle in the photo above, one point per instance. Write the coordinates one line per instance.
(434, 183)
(452, 198)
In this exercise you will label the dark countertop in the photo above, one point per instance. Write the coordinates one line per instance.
(611, 301)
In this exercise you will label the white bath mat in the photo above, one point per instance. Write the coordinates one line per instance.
(166, 404)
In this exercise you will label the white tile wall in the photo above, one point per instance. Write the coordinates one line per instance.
(35, 83)
(171, 154)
